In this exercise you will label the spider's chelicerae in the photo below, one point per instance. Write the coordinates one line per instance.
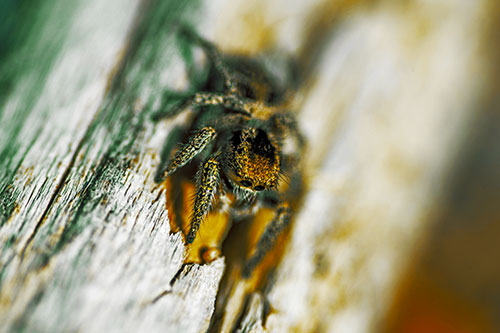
(244, 143)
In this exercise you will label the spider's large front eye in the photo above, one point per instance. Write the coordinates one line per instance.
(246, 183)
(259, 188)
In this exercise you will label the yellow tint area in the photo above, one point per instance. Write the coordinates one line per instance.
(263, 217)
(207, 244)
(214, 229)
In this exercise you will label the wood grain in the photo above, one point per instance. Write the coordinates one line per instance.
(85, 239)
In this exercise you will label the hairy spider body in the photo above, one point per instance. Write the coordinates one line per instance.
(240, 136)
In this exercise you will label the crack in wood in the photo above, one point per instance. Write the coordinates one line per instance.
(114, 79)
(54, 196)
(160, 295)
(185, 267)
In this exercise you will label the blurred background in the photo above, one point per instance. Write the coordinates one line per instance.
(400, 102)
(453, 282)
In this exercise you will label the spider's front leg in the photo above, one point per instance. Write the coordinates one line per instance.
(197, 142)
(286, 124)
(267, 240)
(206, 188)
(230, 102)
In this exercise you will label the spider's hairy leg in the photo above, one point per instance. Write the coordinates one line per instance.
(285, 122)
(268, 238)
(232, 102)
(171, 141)
(229, 101)
(206, 188)
(228, 122)
(197, 142)
(214, 56)
(173, 103)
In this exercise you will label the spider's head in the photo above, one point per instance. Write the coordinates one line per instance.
(254, 163)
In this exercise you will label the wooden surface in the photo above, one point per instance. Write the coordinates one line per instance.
(85, 241)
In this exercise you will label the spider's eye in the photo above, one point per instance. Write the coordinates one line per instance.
(246, 183)
(259, 188)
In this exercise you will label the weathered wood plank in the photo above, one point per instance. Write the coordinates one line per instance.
(95, 219)
(45, 114)
(85, 239)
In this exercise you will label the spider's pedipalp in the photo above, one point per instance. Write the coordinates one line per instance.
(197, 142)
(268, 238)
(206, 188)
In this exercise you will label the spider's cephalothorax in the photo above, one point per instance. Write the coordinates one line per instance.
(237, 137)
(252, 162)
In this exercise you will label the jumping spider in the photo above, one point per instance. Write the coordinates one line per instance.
(246, 143)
